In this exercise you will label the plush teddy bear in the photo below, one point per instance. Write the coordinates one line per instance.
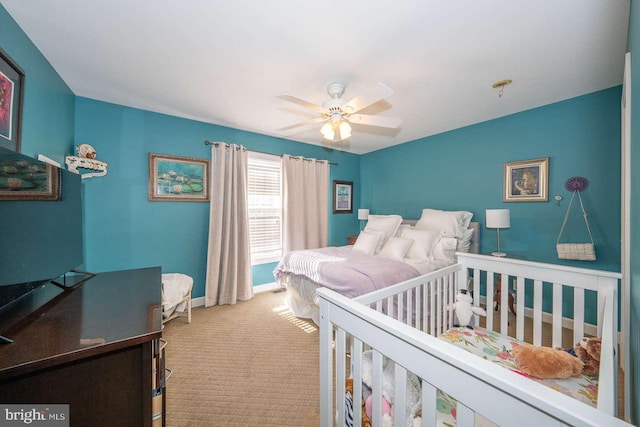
(546, 362)
(464, 309)
(588, 350)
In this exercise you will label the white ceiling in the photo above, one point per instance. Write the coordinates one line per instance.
(225, 62)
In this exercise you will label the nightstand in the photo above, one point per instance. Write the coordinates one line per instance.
(352, 239)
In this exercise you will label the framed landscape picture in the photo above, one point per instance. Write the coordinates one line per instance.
(178, 179)
(23, 178)
(526, 181)
(11, 98)
(342, 197)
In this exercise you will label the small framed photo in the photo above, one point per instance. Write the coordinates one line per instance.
(178, 179)
(23, 178)
(526, 181)
(11, 98)
(342, 197)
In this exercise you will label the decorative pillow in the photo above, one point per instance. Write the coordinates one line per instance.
(445, 250)
(396, 247)
(423, 242)
(464, 243)
(451, 223)
(402, 228)
(388, 224)
(368, 242)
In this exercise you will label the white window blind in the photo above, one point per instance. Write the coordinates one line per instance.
(265, 207)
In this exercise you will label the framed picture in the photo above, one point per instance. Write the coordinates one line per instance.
(22, 178)
(178, 179)
(11, 97)
(342, 197)
(526, 181)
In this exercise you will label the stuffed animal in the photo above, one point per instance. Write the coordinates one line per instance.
(464, 309)
(366, 421)
(497, 297)
(546, 362)
(588, 350)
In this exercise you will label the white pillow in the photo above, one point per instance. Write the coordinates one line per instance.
(388, 224)
(402, 228)
(423, 242)
(396, 247)
(445, 250)
(452, 223)
(368, 242)
(464, 243)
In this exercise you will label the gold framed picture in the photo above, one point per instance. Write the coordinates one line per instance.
(526, 181)
(178, 179)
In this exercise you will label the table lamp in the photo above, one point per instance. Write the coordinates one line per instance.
(498, 218)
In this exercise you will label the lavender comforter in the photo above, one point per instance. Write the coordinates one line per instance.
(345, 271)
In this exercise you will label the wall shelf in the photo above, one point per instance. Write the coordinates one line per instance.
(95, 167)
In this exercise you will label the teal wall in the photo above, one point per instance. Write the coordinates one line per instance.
(123, 229)
(634, 345)
(48, 111)
(463, 170)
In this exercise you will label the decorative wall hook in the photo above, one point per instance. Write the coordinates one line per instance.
(558, 199)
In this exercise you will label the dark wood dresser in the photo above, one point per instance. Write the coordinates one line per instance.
(97, 348)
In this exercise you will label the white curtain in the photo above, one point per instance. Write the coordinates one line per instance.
(229, 258)
(305, 213)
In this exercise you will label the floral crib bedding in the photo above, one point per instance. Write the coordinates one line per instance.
(496, 348)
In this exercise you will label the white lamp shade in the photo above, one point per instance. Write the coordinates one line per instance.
(363, 214)
(498, 218)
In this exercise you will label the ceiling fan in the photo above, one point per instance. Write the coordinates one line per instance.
(338, 113)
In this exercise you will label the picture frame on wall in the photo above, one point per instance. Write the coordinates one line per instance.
(11, 100)
(23, 178)
(342, 197)
(178, 178)
(526, 181)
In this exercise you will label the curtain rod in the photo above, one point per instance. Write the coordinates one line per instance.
(264, 152)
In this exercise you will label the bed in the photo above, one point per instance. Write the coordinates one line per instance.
(389, 250)
(369, 342)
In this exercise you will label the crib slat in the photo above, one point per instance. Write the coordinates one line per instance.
(326, 366)
(464, 416)
(429, 404)
(356, 374)
(340, 374)
(578, 314)
(504, 304)
(439, 307)
(556, 337)
(409, 307)
(520, 308)
(490, 292)
(537, 312)
(432, 308)
(419, 314)
(376, 410)
(399, 414)
(390, 306)
(400, 308)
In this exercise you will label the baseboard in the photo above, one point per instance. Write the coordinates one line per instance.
(199, 302)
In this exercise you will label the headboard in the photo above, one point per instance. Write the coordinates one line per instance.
(474, 248)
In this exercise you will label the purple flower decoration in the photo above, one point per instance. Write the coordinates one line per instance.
(576, 183)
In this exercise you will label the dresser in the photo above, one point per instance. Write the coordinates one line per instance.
(97, 348)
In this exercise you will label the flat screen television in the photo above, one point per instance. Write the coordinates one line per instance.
(40, 226)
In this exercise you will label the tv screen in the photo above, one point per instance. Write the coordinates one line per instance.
(40, 224)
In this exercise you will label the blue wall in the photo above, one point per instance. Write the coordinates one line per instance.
(48, 111)
(123, 229)
(463, 170)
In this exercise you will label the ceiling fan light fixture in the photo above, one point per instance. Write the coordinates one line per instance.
(345, 130)
(327, 131)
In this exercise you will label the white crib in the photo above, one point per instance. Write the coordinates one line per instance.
(400, 325)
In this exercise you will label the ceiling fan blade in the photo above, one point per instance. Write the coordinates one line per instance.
(370, 120)
(374, 94)
(308, 122)
(303, 103)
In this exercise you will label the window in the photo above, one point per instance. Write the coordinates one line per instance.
(265, 207)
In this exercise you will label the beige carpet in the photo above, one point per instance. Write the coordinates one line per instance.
(249, 364)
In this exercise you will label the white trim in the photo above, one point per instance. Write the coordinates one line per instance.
(199, 302)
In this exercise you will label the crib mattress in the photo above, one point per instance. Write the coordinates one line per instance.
(496, 348)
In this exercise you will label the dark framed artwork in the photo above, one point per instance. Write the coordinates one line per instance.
(11, 99)
(178, 179)
(526, 181)
(342, 197)
(22, 178)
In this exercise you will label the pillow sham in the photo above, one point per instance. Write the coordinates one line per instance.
(396, 248)
(464, 243)
(445, 250)
(368, 242)
(423, 242)
(388, 224)
(402, 228)
(451, 223)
